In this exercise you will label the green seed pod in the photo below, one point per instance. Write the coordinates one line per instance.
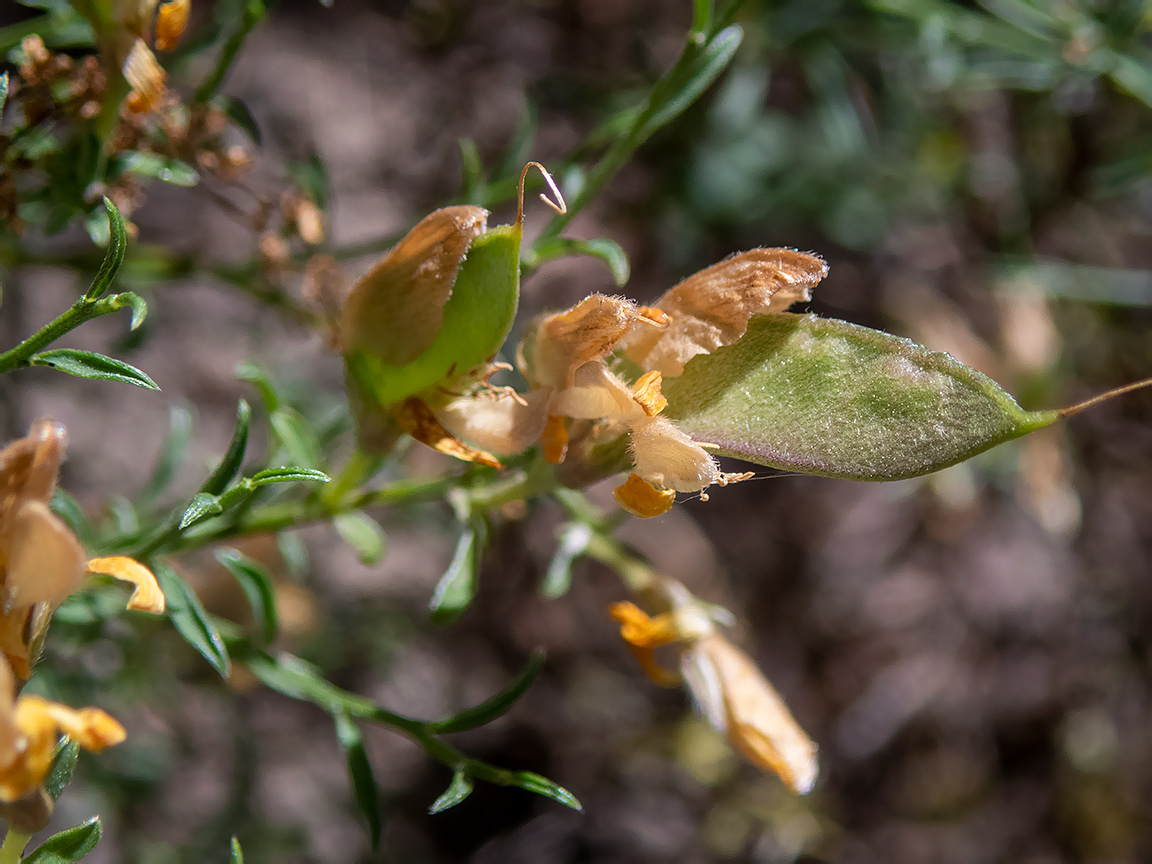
(820, 396)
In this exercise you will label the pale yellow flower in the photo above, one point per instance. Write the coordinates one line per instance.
(730, 691)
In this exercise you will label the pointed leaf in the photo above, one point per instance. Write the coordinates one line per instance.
(63, 764)
(262, 380)
(362, 533)
(289, 475)
(171, 452)
(93, 366)
(296, 436)
(360, 773)
(543, 786)
(459, 789)
(498, 705)
(820, 396)
(237, 852)
(256, 582)
(69, 845)
(191, 621)
(134, 302)
(574, 540)
(457, 586)
(229, 465)
(114, 257)
(203, 506)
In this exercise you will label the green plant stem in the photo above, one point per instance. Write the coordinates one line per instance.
(622, 149)
(80, 311)
(13, 848)
(254, 11)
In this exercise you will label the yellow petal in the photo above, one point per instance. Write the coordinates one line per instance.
(646, 392)
(45, 561)
(396, 309)
(146, 76)
(758, 722)
(590, 330)
(147, 596)
(710, 309)
(641, 498)
(417, 419)
(171, 22)
(643, 635)
(669, 459)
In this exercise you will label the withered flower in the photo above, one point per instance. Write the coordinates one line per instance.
(568, 359)
(726, 685)
(41, 561)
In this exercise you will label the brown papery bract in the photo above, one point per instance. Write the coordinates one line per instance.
(711, 308)
(396, 309)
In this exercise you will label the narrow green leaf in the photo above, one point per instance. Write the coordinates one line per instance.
(608, 251)
(203, 506)
(69, 845)
(133, 301)
(574, 538)
(819, 396)
(219, 479)
(93, 366)
(459, 789)
(260, 378)
(171, 452)
(238, 112)
(294, 553)
(63, 764)
(289, 475)
(237, 852)
(475, 182)
(360, 773)
(114, 257)
(498, 705)
(297, 437)
(3, 91)
(65, 506)
(174, 171)
(256, 582)
(296, 679)
(713, 60)
(457, 586)
(362, 533)
(543, 786)
(191, 621)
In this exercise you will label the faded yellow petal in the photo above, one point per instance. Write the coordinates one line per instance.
(45, 562)
(596, 394)
(147, 597)
(145, 75)
(590, 330)
(497, 421)
(641, 498)
(417, 419)
(171, 22)
(396, 309)
(30, 465)
(646, 392)
(759, 724)
(668, 458)
(710, 309)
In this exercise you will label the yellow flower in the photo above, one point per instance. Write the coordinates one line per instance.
(567, 362)
(41, 561)
(29, 727)
(729, 689)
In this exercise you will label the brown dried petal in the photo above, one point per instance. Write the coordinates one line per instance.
(45, 561)
(30, 465)
(396, 309)
(710, 309)
(590, 330)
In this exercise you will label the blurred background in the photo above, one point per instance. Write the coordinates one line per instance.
(971, 650)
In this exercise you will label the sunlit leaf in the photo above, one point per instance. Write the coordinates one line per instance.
(459, 789)
(93, 366)
(69, 845)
